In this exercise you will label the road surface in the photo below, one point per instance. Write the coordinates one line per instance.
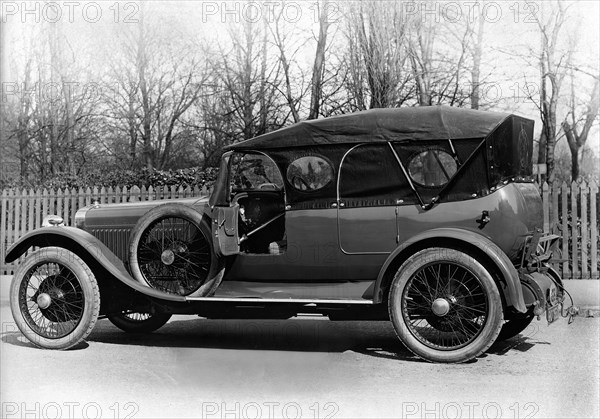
(306, 367)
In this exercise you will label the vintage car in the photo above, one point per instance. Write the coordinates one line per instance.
(424, 216)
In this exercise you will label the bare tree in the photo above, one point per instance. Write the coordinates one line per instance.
(154, 80)
(377, 55)
(578, 128)
(552, 66)
(249, 80)
(52, 116)
(282, 41)
(476, 69)
(420, 47)
(319, 63)
(440, 53)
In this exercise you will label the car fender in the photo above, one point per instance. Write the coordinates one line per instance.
(513, 292)
(87, 247)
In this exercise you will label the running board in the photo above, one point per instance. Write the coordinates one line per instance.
(276, 300)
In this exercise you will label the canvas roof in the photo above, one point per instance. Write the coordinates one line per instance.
(381, 125)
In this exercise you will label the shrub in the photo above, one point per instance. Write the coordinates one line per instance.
(192, 177)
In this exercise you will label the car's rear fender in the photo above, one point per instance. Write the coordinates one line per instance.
(475, 244)
(88, 248)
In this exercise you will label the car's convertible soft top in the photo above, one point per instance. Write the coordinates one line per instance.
(488, 148)
(427, 123)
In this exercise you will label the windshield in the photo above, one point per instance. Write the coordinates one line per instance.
(254, 172)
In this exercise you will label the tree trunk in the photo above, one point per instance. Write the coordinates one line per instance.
(319, 64)
(248, 101)
(576, 140)
(142, 62)
(132, 132)
(541, 159)
(550, 141)
(475, 73)
(262, 128)
(574, 165)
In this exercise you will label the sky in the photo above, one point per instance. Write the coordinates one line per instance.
(510, 31)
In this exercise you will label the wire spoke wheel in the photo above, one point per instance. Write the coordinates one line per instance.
(137, 317)
(135, 322)
(55, 298)
(174, 256)
(51, 300)
(171, 250)
(445, 305)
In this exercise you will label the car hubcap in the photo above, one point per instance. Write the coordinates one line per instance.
(168, 257)
(44, 300)
(440, 307)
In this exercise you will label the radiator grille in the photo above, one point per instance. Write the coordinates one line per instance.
(116, 239)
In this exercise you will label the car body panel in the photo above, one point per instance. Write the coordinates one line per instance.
(312, 255)
(85, 246)
(368, 230)
(343, 290)
(465, 239)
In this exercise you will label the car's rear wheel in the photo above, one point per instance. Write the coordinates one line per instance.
(445, 306)
(54, 298)
(171, 250)
(513, 327)
(139, 322)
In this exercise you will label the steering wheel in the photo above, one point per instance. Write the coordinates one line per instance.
(268, 186)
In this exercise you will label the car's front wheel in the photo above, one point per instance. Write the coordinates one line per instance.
(139, 322)
(54, 298)
(171, 250)
(445, 306)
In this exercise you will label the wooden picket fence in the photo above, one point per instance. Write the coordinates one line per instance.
(571, 211)
(22, 211)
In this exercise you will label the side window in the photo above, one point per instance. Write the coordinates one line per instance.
(371, 176)
(309, 173)
(432, 167)
(254, 172)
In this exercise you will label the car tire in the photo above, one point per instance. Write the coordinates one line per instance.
(139, 322)
(445, 306)
(515, 326)
(186, 261)
(54, 298)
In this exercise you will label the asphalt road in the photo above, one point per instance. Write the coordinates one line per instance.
(308, 367)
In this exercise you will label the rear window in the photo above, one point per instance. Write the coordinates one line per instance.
(432, 167)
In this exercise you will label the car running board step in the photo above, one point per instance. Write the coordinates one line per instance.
(276, 300)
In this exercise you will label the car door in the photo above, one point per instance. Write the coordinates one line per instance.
(371, 189)
(254, 201)
(225, 229)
